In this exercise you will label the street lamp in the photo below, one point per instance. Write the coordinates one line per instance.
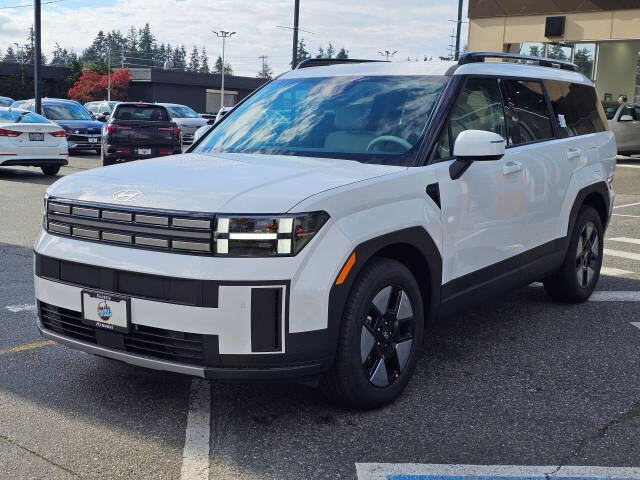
(224, 35)
(108, 73)
(388, 54)
(21, 50)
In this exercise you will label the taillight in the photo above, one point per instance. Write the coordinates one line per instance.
(59, 133)
(9, 133)
(113, 128)
(176, 130)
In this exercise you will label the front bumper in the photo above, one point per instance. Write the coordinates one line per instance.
(83, 141)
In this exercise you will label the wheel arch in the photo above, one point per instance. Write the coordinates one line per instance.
(595, 195)
(414, 248)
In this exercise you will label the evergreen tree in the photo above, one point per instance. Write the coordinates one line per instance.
(302, 53)
(534, 51)
(194, 60)
(204, 61)
(179, 58)
(342, 53)
(10, 56)
(227, 68)
(555, 51)
(60, 55)
(28, 50)
(265, 71)
(329, 52)
(146, 46)
(131, 43)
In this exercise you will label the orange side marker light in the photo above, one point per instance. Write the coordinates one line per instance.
(346, 269)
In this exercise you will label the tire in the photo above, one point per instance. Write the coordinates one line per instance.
(371, 380)
(50, 170)
(578, 276)
(106, 161)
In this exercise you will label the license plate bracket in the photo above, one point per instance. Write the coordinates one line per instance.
(36, 137)
(106, 311)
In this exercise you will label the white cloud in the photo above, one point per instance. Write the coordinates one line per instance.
(412, 27)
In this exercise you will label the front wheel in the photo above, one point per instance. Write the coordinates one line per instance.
(380, 337)
(50, 170)
(579, 274)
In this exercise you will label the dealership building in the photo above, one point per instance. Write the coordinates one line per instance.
(601, 36)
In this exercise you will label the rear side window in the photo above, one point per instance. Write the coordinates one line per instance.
(528, 118)
(577, 108)
(478, 107)
(151, 113)
(630, 111)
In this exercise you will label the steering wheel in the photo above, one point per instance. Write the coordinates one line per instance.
(389, 138)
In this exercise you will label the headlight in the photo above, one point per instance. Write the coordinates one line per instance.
(266, 235)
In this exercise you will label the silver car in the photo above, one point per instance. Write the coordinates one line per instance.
(624, 122)
(186, 118)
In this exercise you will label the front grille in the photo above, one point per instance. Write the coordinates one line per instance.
(179, 232)
(141, 340)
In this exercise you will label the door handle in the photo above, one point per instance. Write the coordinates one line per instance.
(573, 153)
(511, 167)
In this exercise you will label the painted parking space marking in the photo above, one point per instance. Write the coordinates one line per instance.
(417, 471)
(615, 296)
(195, 456)
(622, 254)
(25, 307)
(29, 346)
(627, 166)
(614, 272)
(627, 205)
(633, 241)
(622, 215)
(635, 324)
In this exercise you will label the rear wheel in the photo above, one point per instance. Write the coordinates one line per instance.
(380, 337)
(50, 170)
(106, 161)
(579, 274)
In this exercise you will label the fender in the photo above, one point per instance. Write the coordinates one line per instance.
(601, 189)
(416, 237)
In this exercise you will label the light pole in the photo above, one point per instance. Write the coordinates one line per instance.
(296, 21)
(388, 54)
(21, 50)
(37, 59)
(224, 35)
(108, 73)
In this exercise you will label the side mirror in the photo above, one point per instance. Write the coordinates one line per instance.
(475, 146)
(626, 118)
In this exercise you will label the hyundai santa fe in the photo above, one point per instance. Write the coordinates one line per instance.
(334, 214)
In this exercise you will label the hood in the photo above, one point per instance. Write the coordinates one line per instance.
(223, 183)
(72, 125)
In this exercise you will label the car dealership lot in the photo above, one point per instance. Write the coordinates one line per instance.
(520, 381)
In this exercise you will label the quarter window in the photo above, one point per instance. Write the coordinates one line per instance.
(577, 109)
(478, 107)
(528, 118)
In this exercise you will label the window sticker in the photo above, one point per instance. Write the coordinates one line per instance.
(563, 122)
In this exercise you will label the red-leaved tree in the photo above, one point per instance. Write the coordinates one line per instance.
(93, 86)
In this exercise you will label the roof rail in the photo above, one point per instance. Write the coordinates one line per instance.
(473, 57)
(322, 62)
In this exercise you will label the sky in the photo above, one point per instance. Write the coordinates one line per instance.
(413, 28)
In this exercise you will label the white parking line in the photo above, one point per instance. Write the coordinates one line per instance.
(25, 307)
(627, 205)
(627, 166)
(418, 471)
(635, 241)
(621, 215)
(615, 296)
(195, 456)
(622, 254)
(613, 272)
(635, 324)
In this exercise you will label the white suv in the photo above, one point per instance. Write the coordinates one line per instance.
(328, 219)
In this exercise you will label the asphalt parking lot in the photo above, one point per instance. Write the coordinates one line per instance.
(520, 381)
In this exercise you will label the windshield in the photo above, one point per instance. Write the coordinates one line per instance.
(610, 109)
(65, 111)
(17, 116)
(182, 112)
(377, 119)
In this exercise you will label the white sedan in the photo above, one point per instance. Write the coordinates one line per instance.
(29, 139)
